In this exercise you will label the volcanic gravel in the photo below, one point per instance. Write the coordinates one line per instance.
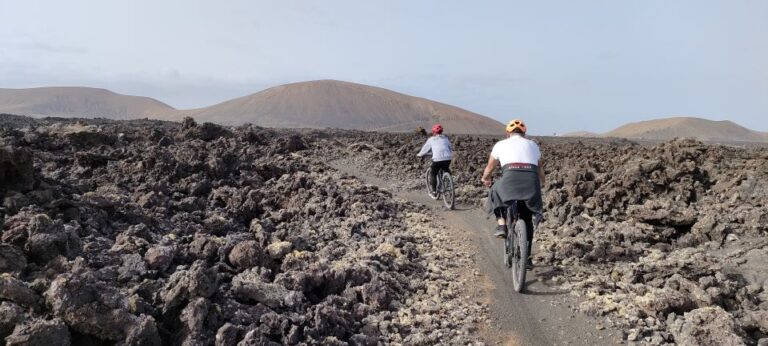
(148, 233)
(667, 241)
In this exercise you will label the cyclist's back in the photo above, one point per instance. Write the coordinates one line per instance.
(521, 180)
(440, 146)
(519, 158)
(442, 153)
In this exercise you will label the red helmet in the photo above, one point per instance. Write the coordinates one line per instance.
(437, 129)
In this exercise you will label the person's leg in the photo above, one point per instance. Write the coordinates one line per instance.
(500, 214)
(433, 175)
(501, 222)
(499, 211)
(437, 167)
(445, 166)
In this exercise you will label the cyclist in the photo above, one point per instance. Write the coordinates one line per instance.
(442, 153)
(521, 180)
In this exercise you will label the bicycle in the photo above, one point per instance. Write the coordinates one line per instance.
(516, 245)
(445, 187)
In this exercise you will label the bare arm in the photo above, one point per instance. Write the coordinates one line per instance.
(541, 172)
(492, 163)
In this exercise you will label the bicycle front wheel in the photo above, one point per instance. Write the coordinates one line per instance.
(449, 198)
(519, 248)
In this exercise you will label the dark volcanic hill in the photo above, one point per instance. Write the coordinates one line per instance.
(336, 104)
(80, 102)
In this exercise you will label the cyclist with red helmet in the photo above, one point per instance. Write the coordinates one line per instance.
(442, 153)
(521, 180)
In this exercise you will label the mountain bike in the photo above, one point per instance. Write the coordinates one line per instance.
(445, 188)
(516, 246)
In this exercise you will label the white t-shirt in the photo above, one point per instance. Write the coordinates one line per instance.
(516, 149)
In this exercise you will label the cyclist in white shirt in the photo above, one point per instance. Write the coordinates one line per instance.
(521, 180)
(442, 153)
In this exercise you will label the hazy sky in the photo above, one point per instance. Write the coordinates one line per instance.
(560, 65)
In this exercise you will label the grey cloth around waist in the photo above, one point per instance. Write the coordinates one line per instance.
(517, 185)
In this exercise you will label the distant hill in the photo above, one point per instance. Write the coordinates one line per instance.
(313, 104)
(330, 103)
(580, 134)
(80, 102)
(688, 127)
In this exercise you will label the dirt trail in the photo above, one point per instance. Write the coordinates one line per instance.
(542, 316)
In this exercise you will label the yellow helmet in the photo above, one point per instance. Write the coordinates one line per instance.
(516, 124)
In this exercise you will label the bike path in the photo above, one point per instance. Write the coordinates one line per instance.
(542, 316)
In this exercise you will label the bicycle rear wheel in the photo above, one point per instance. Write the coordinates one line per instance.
(519, 254)
(449, 198)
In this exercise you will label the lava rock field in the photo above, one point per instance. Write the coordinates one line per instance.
(666, 241)
(148, 233)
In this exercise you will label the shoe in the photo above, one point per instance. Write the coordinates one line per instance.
(529, 264)
(501, 232)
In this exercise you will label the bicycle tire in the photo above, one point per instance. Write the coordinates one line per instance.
(519, 246)
(449, 197)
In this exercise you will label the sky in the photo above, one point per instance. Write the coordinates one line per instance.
(560, 65)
